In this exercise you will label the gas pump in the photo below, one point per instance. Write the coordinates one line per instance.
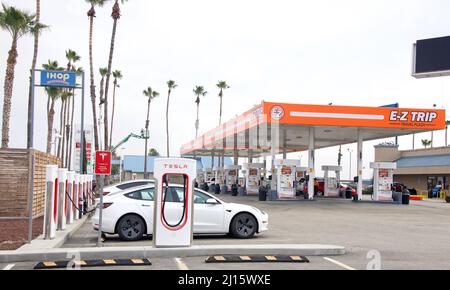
(219, 176)
(383, 180)
(231, 176)
(62, 198)
(286, 175)
(300, 178)
(253, 177)
(331, 184)
(209, 177)
(173, 214)
(51, 202)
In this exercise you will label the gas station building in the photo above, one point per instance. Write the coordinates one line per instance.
(272, 129)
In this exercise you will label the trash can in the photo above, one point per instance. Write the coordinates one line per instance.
(217, 189)
(262, 193)
(405, 198)
(234, 190)
(349, 193)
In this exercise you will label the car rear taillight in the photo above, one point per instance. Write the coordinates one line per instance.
(107, 204)
(105, 193)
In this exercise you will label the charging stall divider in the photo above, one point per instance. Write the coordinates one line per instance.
(286, 176)
(166, 234)
(331, 186)
(51, 202)
(232, 175)
(76, 196)
(253, 177)
(82, 198)
(70, 192)
(383, 180)
(62, 198)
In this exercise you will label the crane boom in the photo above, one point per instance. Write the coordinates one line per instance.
(126, 139)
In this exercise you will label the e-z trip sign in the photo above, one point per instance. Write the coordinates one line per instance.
(58, 79)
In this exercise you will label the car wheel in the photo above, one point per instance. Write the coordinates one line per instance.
(243, 226)
(131, 228)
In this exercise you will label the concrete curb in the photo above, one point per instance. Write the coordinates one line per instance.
(151, 252)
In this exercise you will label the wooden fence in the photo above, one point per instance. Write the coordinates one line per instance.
(15, 181)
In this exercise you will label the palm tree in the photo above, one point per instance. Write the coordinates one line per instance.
(116, 16)
(103, 73)
(53, 95)
(18, 23)
(426, 143)
(79, 71)
(117, 74)
(65, 100)
(171, 85)
(150, 94)
(198, 91)
(91, 14)
(36, 30)
(222, 85)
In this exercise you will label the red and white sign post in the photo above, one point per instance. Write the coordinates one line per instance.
(102, 168)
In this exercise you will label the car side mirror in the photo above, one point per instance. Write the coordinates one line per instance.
(212, 201)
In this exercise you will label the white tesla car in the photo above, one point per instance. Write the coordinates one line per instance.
(109, 190)
(130, 214)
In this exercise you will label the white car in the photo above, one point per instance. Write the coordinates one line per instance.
(130, 214)
(126, 185)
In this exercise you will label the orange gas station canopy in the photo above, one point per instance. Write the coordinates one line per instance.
(255, 131)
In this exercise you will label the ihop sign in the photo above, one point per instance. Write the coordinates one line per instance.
(58, 79)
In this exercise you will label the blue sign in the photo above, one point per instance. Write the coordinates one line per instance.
(58, 79)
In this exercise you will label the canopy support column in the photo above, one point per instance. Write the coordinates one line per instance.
(360, 166)
(311, 165)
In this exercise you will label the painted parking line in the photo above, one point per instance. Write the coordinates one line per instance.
(342, 265)
(181, 265)
(9, 267)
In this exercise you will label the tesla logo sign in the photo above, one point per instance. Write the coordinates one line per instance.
(103, 162)
(175, 166)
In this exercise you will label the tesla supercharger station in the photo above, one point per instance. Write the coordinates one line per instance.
(76, 197)
(62, 198)
(82, 197)
(253, 174)
(173, 222)
(300, 178)
(331, 184)
(383, 180)
(231, 175)
(70, 192)
(51, 202)
(286, 175)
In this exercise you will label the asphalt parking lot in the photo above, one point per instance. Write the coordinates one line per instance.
(403, 237)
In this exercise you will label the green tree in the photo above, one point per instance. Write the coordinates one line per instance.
(171, 85)
(53, 94)
(153, 152)
(116, 13)
(426, 143)
(18, 23)
(199, 91)
(117, 74)
(92, 14)
(222, 85)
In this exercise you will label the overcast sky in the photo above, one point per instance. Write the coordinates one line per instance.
(348, 52)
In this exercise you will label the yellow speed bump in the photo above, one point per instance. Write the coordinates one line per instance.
(256, 259)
